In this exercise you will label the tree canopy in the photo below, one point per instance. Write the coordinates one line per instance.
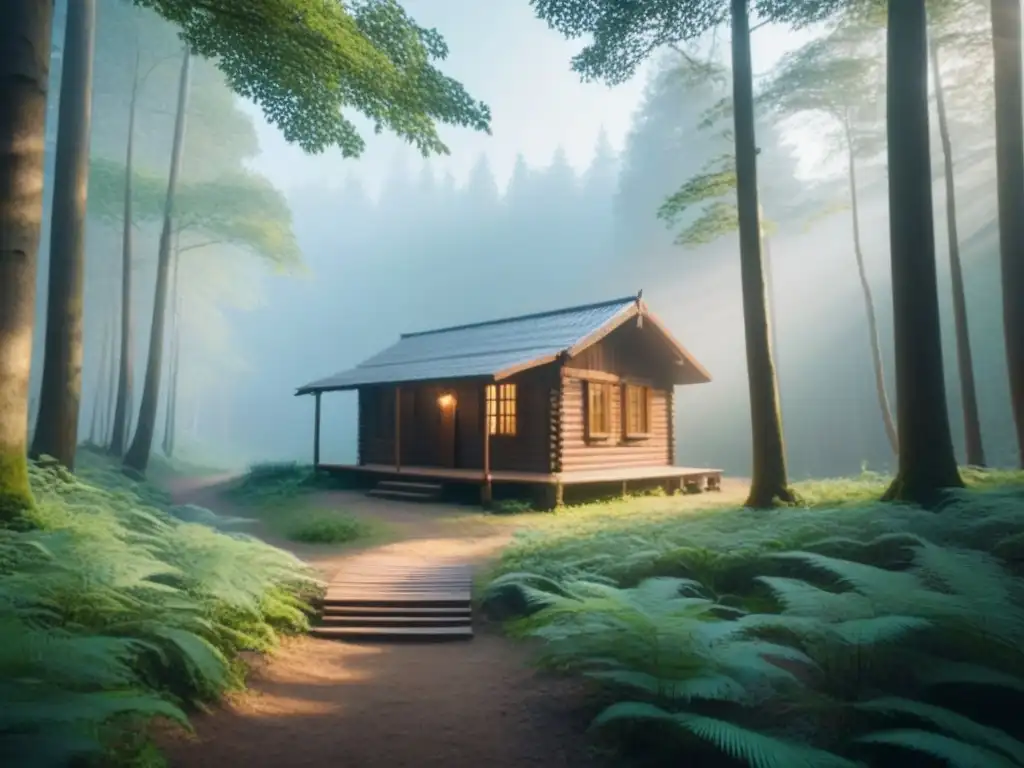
(305, 61)
(242, 209)
(625, 34)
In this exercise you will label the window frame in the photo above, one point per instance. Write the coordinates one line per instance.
(501, 409)
(603, 391)
(643, 402)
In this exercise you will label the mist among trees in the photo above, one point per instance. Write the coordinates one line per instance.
(426, 250)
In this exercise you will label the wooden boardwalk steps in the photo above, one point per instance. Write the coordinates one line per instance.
(397, 490)
(381, 597)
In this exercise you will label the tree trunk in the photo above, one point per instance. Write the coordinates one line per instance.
(137, 457)
(973, 446)
(61, 391)
(24, 77)
(124, 371)
(927, 464)
(772, 324)
(869, 301)
(172, 369)
(111, 375)
(1006, 50)
(769, 481)
(97, 431)
(172, 418)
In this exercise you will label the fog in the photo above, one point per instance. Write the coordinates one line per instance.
(557, 208)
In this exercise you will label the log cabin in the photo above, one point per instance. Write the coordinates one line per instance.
(578, 400)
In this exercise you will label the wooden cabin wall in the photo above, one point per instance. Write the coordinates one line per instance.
(529, 450)
(627, 354)
(421, 424)
(376, 425)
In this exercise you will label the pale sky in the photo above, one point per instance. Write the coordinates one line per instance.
(509, 59)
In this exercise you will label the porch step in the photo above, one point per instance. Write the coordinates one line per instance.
(408, 485)
(400, 490)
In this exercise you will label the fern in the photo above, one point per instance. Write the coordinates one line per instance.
(955, 753)
(659, 640)
(955, 725)
(116, 612)
(757, 750)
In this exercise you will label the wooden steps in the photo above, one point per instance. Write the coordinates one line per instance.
(377, 597)
(400, 490)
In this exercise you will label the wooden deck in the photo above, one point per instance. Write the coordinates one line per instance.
(712, 477)
(380, 597)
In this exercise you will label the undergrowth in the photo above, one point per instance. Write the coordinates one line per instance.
(851, 634)
(696, 536)
(114, 612)
(317, 526)
(279, 495)
(272, 482)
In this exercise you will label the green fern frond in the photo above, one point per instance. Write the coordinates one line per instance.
(712, 688)
(956, 754)
(954, 724)
(937, 671)
(878, 630)
(866, 579)
(757, 750)
(33, 707)
(800, 598)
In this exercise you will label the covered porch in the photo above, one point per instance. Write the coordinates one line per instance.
(426, 430)
(547, 490)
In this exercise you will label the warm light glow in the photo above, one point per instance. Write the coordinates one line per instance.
(446, 401)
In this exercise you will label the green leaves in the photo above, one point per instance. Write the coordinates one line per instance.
(625, 34)
(840, 76)
(717, 217)
(106, 192)
(757, 750)
(305, 61)
(242, 210)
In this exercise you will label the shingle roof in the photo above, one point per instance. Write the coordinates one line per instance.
(480, 349)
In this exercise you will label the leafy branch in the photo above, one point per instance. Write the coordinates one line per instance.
(241, 209)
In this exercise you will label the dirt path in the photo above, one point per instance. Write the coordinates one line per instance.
(458, 705)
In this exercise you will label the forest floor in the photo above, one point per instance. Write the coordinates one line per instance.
(327, 703)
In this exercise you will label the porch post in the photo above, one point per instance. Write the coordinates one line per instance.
(398, 429)
(485, 489)
(316, 432)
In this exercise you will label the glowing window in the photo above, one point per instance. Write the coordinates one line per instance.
(501, 409)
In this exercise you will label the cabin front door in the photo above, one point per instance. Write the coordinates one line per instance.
(447, 412)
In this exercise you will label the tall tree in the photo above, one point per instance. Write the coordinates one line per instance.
(1007, 62)
(926, 462)
(97, 429)
(57, 424)
(24, 79)
(835, 76)
(137, 456)
(973, 446)
(769, 482)
(167, 446)
(119, 439)
(110, 378)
